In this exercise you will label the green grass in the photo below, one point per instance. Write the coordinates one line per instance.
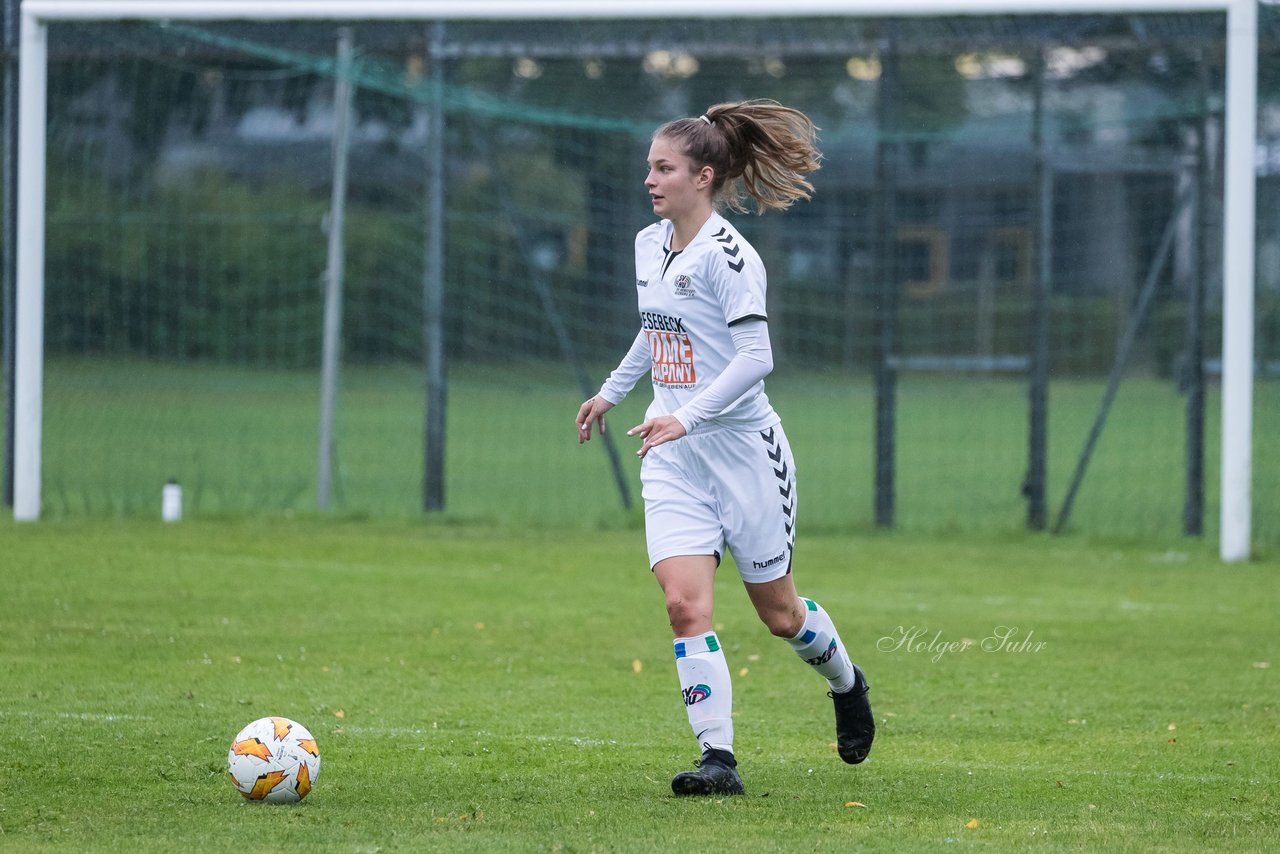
(243, 441)
(476, 687)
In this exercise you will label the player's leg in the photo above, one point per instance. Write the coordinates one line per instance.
(804, 625)
(705, 686)
(761, 534)
(810, 631)
(685, 542)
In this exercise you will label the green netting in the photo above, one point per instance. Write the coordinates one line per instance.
(190, 173)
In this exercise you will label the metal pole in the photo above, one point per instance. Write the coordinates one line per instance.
(1130, 334)
(433, 283)
(555, 317)
(332, 347)
(1238, 246)
(28, 350)
(1193, 378)
(887, 274)
(9, 27)
(409, 10)
(1036, 483)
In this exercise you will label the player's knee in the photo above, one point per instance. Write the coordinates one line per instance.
(688, 616)
(783, 622)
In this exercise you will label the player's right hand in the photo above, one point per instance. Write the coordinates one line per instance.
(591, 412)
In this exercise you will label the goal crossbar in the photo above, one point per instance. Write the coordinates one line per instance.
(263, 10)
(1239, 157)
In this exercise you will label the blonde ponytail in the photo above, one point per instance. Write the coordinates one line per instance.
(758, 149)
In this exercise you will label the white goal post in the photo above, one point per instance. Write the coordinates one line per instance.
(1238, 224)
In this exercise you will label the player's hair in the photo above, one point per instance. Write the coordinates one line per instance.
(758, 149)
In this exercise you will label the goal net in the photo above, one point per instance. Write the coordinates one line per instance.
(995, 190)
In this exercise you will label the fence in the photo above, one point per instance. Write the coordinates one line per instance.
(191, 174)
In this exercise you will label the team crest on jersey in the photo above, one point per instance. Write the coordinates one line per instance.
(684, 286)
(642, 283)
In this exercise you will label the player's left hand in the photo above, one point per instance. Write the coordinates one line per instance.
(655, 431)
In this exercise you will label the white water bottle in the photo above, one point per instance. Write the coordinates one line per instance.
(171, 502)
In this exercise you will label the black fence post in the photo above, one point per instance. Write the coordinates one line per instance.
(433, 285)
(1192, 378)
(9, 40)
(1034, 487)
(886, 256)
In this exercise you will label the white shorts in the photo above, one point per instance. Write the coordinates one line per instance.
(721, 488)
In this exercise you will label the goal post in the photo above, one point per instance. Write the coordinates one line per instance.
(1238, 279)
(28, 367)
(1239, 155)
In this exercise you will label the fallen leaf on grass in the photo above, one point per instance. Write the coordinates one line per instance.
(971, 823)
(636, 666)
(339, 714)
(856, 804)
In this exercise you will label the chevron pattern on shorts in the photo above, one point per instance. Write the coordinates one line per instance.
(786, 482)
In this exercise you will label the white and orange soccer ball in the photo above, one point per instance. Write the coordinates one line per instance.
(275, 760)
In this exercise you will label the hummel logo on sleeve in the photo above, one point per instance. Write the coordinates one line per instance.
(731, 249)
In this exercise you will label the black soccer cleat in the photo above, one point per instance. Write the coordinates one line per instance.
(855, 725)
(717, 774)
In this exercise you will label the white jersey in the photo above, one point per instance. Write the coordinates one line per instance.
(688, 301)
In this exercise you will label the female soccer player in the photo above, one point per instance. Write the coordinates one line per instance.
(716, 467)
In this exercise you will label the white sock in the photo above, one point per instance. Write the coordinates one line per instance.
(819, 644)
(706, 690)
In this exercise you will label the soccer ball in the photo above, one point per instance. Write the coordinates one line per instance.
(274, 760)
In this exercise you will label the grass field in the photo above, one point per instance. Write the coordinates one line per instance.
(244, 441)
(494, 688)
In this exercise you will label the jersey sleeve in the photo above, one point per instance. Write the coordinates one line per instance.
(738, 279)
(751, 363)
(633, 366)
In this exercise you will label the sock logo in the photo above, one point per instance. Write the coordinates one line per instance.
(825, 657)
(696, 694)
